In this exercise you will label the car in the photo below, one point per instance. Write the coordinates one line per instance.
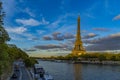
(17, 69)
(14, 76)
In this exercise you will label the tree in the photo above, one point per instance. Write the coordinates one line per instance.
(3, 33)
(29, 62)
(113, 57)
(102, 57)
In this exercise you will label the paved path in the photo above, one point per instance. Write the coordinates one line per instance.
(25, 74)
(22, 74)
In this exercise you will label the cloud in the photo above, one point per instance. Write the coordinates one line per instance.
(89, 42)
(55, 47)
(28, 35)
(30, 50)
(47, 38)
(110, 42)
(29, 12)
(20, 33)
(57, 22)
(28, 22)
(90, 35)
(16, 37)
(67, 46)
(40, 31)
(117, 17)
(101, 29)
(32, 22)
(44, 22)
(59, 36)
(68, 36)
(17, 30)
(61, 20)
(8, 7)
(89, 15)
(35, 38)
(49, 46)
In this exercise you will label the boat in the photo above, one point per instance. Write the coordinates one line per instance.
(40, 74)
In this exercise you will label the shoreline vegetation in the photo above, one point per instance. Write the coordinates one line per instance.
(9, 52)
(88, 58)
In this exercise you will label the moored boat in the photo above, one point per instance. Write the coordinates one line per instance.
(39, 73)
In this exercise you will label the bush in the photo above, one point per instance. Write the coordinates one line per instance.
(29, 62)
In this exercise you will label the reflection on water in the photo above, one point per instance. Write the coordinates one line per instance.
(77, 72)
(65, 71)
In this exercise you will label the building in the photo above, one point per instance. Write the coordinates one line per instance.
(78, 46)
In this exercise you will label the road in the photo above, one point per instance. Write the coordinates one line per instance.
(25, 74)
(15, 76)
(20, 73)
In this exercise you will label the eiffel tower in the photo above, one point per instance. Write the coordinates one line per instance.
(78, 46)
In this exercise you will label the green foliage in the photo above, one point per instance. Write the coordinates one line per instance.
(70, 56)
(29, 62)
(113, 58)
(10, 54)
(16, 53)
(3, 33)
(4, 58)
(0, 68)
(60, 57)
(101, 57)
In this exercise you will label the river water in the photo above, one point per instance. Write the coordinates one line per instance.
(66, 71)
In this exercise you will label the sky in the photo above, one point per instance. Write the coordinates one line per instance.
(48, 27)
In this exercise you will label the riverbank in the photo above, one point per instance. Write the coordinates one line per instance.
(85, 62)
(99, 62)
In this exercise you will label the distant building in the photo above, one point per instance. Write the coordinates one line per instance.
(78, 46)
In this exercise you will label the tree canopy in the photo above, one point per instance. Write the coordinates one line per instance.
(3, 33)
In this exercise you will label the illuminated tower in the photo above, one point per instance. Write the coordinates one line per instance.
(78, 46)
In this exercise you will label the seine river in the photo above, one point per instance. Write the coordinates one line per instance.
(66, 71)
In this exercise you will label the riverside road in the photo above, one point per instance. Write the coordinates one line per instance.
(25, 74)
(20, 72)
